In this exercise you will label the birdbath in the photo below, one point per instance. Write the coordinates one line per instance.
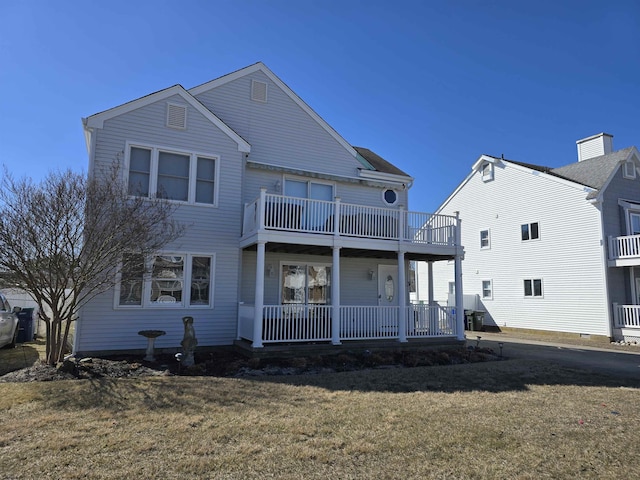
(151, 336)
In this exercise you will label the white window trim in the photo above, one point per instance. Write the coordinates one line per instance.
(625, 173)
(490, 297)
(308, 181)
(530, 239)
(384, 200)
(147, 304)
(488, 247)
(533, 295)
(193, 170)
(306, 264)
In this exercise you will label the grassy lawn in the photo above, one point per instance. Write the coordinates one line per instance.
(510, 419)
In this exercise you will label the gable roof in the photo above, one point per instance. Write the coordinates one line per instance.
(97, 120)
(594, 172)
(259, 66)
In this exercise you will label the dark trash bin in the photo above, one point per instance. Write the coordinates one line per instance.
(25, 325)
(478, 321)
(468, 319)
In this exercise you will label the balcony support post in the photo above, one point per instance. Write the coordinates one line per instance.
(458, 280)
(402, 301)
(335, 297)
(259, 296)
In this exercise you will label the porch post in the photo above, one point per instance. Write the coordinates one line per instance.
(402, 301)
(259, 297)
(335, 297)
(458, 281)
(262, 209)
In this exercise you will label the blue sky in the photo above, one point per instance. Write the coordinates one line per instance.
(428, 85)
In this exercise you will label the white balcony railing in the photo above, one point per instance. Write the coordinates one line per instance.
(312, 323)
(279, 212)
(625, 247)
(626, 316)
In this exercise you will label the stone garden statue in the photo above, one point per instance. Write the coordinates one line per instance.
(189, 342)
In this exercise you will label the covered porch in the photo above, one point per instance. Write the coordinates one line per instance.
(352, 272)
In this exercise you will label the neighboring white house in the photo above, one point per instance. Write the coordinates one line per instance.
(293, 234)
(554, 249)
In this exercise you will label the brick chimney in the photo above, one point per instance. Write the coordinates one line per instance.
(594, 146)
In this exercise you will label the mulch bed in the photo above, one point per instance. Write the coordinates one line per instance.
(230, 364)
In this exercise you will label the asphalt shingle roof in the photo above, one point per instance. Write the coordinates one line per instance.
(593, 172)
(379, 163)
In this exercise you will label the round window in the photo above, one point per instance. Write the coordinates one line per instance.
(390, 196)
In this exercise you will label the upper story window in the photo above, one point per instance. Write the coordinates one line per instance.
(487, 171)
(389, 196)
(485, 240)
(533, 287)
(634, 223)
(629, 170)
(180, 176)
(530, 231)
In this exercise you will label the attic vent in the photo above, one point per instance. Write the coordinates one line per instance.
(258, 91)
(176, 116)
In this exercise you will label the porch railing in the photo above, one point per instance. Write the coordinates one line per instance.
(279, 212)
(624, 247)
(626, 316)
(312, 323)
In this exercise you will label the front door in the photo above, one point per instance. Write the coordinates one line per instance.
(388, 297)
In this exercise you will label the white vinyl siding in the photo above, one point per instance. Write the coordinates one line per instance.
(569, 260)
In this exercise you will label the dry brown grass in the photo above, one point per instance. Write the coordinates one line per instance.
(509, 419)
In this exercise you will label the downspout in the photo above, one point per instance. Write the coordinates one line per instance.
(598, 204)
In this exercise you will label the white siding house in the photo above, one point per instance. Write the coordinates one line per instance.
(540, 243)
(294, 235)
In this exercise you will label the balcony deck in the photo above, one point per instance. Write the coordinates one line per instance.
(624, 251)
(283, 219)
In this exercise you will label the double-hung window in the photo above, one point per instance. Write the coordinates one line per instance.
(530, 231)
(169, 280)
(306, 284)
(487, 290)
(484, 239)
(533, 287)
(180, 176)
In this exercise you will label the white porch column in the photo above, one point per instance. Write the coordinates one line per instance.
(259, 297)
(335, 297)
(458, 281)
(402, 301)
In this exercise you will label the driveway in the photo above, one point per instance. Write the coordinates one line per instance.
(601, 360)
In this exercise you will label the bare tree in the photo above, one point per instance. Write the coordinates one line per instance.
(69, 238)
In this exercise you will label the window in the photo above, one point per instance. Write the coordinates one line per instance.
(389, 196)
(484, 239)
(487, 171)
(530, 231)
(306, 284)
(182, 280)
(629, 170)
(311, 215)
(452, 288)
(487, 289)
(180, 176)
(533, 287)
(634, 223)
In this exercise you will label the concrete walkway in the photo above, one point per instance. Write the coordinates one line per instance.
(624, 363)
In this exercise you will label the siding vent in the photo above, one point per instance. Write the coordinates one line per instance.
(258, 91)
(176, 116)
(594, 146)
